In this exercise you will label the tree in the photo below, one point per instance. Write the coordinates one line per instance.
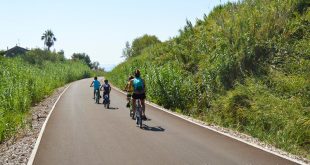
(95, 65)
(49, 38)
(127, 51)
(141, 43)
(83, 57)
(101, 69)
(61, 55)
(39, 56)
(2, 52)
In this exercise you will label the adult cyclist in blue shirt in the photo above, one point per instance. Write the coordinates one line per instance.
(139, 90)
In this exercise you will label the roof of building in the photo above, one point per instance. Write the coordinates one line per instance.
(16, 50)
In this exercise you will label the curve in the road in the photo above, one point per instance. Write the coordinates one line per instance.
(81, 132)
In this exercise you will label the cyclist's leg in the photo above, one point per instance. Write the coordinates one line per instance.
(143, 106)
(133, 105)
(128, 100)
(133, 101)
(103, 94)
(96, 95)
(109, 99)
(143, 103)
(97, 92)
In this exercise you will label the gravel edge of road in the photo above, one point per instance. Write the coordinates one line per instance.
(18, 149)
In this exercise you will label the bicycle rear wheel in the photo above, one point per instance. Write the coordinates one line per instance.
(139, 112)
(97, 96)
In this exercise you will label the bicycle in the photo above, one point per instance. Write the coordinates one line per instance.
(138, 113)
(106, 101)
(129, 105)
(97, 96)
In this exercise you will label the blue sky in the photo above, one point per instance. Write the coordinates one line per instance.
(99, 28)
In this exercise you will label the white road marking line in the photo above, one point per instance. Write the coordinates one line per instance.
(222, 133)
(35, 149)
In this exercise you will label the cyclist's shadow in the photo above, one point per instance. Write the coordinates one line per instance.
(112, 108)
(155, 129)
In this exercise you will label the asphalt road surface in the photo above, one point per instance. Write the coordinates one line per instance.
(80, 132)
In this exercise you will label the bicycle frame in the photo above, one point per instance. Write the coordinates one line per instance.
(139, 112)
(97, 96)
(106, 100)
(129, 99)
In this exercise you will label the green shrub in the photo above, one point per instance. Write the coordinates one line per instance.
(245, 66)
(23, 84)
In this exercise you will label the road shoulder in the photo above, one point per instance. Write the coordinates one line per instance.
(244, 138)
(18, 149)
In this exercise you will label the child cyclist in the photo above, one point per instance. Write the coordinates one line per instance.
(106, 88)
(96, 84)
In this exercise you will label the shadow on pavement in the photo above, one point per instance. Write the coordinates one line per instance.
(155, 129)
(112, 108)
(148, 119)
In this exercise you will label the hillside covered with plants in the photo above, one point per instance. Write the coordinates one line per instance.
(245, 66)
(27, 79)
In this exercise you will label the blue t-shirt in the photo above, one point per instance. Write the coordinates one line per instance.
(96, 84)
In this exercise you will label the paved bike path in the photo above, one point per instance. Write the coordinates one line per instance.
(81, 132)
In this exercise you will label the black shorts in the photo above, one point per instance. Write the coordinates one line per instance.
(138, 96)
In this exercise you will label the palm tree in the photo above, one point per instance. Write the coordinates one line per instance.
(49, 38)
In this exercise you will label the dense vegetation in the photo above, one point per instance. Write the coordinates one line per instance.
(245, 66)
(27, 79)
(138, 45)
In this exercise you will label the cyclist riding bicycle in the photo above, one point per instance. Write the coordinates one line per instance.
(129, 89)
(106, 88)
(96, 84)
(139, 90)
